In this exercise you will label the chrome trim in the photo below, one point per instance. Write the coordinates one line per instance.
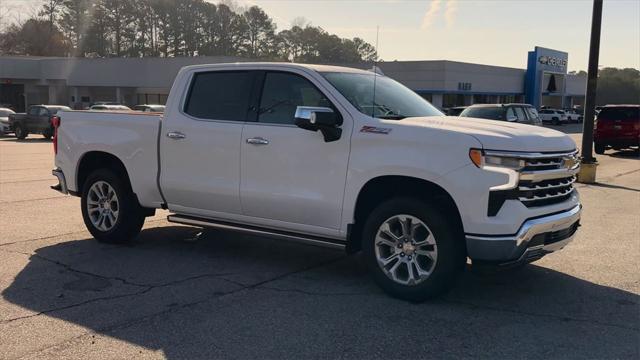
(542, 249)
(176, 135)
(257, 141)
(62, 182)
(541, 175)
(302, 238)
(533, 227)
(529, 155)
(549, 196)
(550, 186)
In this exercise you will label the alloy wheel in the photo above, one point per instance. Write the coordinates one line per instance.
(406, 249)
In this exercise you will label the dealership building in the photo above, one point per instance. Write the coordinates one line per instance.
(79, 82)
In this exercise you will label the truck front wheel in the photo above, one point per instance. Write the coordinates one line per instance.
(110, 209)
(412, 249)
(599, 148)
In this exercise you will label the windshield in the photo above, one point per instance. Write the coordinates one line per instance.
(392, 99)
(492, 113)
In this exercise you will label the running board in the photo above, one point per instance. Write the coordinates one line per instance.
(255, 230)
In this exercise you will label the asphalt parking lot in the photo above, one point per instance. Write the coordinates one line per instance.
(181, 292)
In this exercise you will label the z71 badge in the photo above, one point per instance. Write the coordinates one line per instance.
(375, 130)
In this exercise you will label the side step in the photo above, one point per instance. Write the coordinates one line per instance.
(255, 230)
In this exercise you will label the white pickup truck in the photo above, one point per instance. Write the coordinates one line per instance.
(316, 154)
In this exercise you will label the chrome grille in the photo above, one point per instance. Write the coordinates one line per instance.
(548, 179)
(545, 192)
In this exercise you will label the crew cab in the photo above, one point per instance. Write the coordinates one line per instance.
(617, 127)
(37, 120)
(305, 153)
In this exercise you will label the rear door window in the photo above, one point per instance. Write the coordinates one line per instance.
(627, 113)
(220, 95)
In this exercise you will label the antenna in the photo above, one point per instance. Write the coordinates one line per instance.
(375, 74)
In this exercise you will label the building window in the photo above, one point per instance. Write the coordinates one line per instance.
(451, 100)
(428, 97)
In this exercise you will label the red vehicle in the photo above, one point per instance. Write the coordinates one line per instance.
(617, 127)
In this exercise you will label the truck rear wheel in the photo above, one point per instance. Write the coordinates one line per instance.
(412, 249)
(20, 132)
(110, 210)
(48, 134)
(599, 148)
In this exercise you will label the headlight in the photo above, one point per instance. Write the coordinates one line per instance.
(481, 160)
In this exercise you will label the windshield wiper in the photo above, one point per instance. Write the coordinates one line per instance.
(391, 117)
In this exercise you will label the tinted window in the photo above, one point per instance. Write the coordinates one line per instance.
(533, 114)
(627, 113)
(510, 114)
(220, 95)
(392, 99)
(34, 111)
(43, 112)
(282, 93)
(520, 114)
(493, 113)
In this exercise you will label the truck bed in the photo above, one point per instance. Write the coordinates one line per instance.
(132, 137)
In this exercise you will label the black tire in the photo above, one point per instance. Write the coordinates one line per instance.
(48, 134)
(599, 148)
(451, 255)
(20, 131)
(555, 121)
(130, 218)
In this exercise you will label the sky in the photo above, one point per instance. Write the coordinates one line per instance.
(493, 32)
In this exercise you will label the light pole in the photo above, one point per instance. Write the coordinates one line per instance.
(588, 169)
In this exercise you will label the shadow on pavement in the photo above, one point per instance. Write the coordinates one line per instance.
(213, 294)
(626, 154)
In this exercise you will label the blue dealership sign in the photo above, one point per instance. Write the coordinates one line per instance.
(542, 60)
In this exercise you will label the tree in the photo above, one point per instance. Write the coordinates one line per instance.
(259, 33)
(127, 28)
(28, 40)
(74, 22)
(618, 86)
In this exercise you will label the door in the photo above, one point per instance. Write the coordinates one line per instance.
(289, 174)
(200, 145)
(41, 122)
(32, 117)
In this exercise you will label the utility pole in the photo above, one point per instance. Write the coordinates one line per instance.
(588, 169)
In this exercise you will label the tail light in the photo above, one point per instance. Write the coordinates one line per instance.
(55, 122)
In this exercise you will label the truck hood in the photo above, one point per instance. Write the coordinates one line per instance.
(499, 135)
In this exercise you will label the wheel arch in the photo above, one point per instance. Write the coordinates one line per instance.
(94, 160)
(382, 188)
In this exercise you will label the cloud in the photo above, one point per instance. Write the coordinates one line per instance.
(450, 12)
(430, 15)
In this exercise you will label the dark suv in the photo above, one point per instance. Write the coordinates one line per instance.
(520, 113)
(617, 126)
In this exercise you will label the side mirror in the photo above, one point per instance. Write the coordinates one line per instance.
(314, 118)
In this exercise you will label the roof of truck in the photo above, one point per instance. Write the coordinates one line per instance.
(258, 65)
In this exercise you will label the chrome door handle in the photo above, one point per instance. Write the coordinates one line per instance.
(176, 135)
(257, 141)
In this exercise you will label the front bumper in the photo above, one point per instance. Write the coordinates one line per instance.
(62, 182)
(535, 238)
